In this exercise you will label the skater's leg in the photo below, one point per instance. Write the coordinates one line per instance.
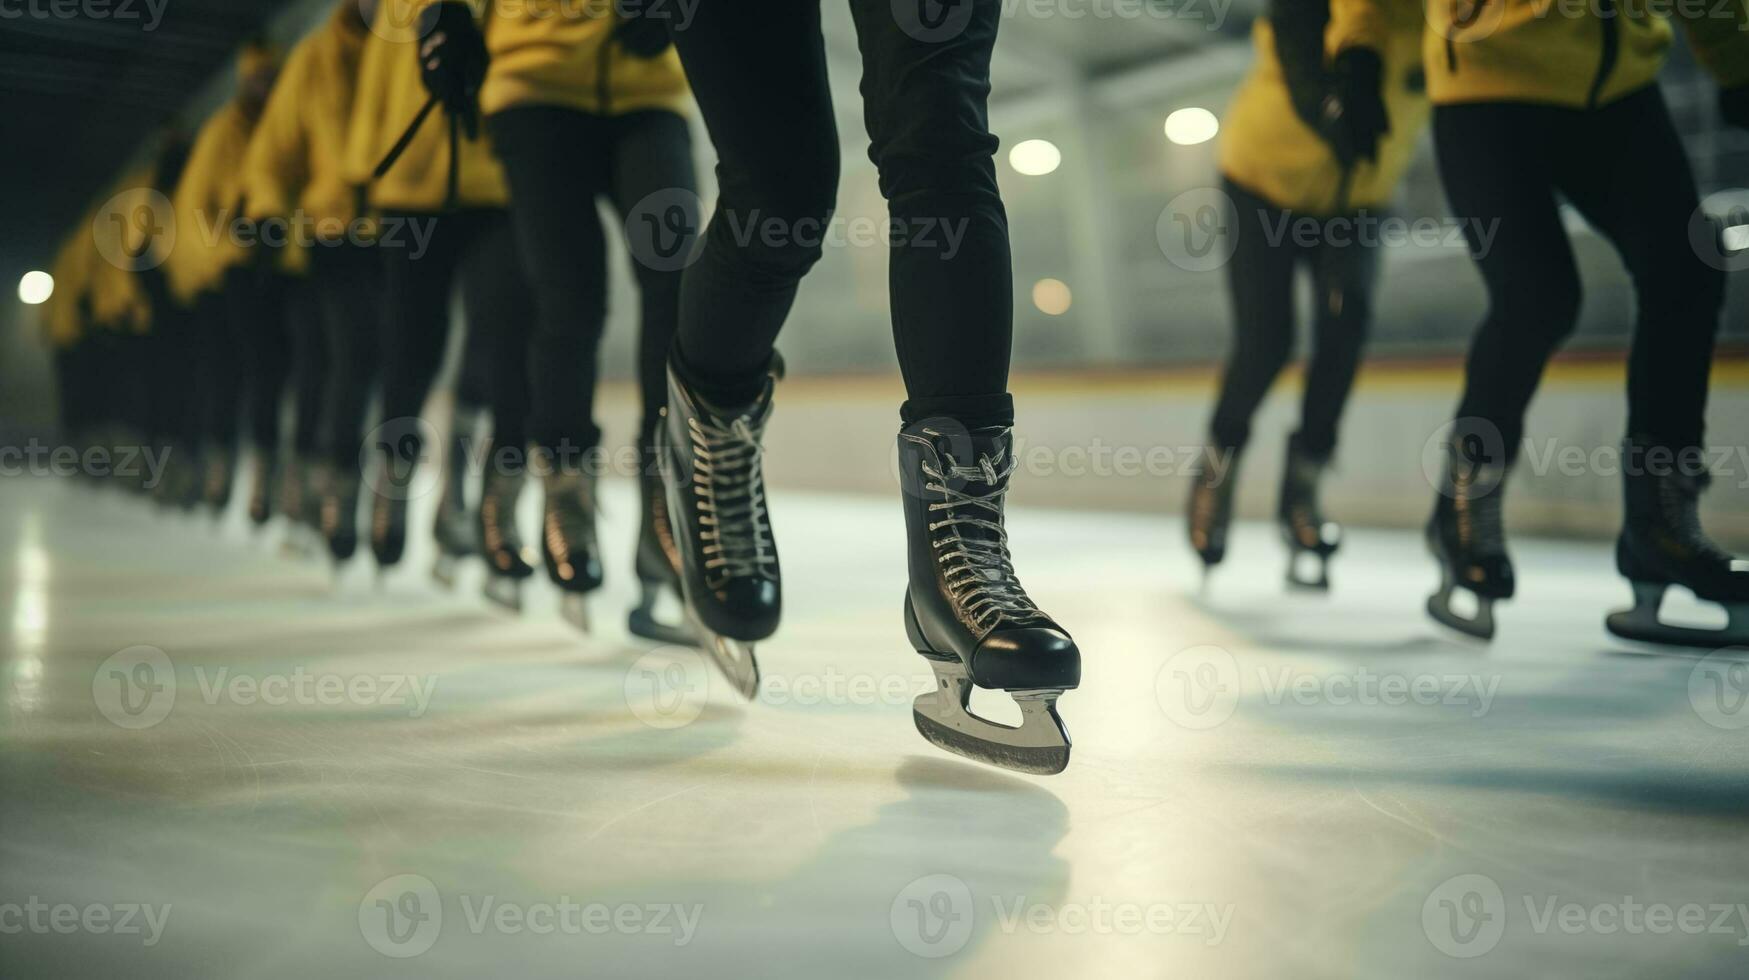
(1499, 175)
(758, 72)
(1344, 278)
(417, 289)
(1260, 280)
(499, 311)
(652, 154)
(1641, 194)
(556, 163)
(965, 610)
(348, 287)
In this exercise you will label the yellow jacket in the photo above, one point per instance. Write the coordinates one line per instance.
(560, 52)
(1557, 52)
(118, 236)
(65, 313)
(294, 159)
(1268, 149)
(206, 206)
(390, 95)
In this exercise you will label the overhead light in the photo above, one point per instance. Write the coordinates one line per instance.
(1051, 296)
(1035, 158)
(1188, 127)
(35, 288)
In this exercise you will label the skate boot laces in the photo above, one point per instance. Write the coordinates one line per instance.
(569, 513)
(1481, 525)
(728, 483)
(978, 569)
(498, 514)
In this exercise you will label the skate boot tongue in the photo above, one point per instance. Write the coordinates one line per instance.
(966, 483)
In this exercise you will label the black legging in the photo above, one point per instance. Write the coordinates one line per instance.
(758, 71)
(1260, 280)
(349, 283)
(559, 162)
(1623, 167)
(259, 325)
(478, 248)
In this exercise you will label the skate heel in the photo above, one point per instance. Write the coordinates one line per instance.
(445, 571)
(642, 621)
(1642, 624)
(1039, 744)
(574, 609)
(1443, 611)
(503, 591)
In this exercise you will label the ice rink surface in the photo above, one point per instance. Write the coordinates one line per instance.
(267, 775)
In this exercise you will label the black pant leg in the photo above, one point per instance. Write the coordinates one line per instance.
(417, 289)
(1496, 164)
(1344, 279)
(349, 292)
(1260, 280)
(652, 159)
(499, 312)
(556, 162)
(925, 91)
(1629, 175)
(758, 71)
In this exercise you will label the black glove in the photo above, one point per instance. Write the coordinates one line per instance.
(642, 30)
(452, 60)
(1353, 118)
(1734, 106)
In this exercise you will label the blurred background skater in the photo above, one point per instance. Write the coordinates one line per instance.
(1309, 144)
(1527, 107)
(173, 418)
(583, 106)
(441, 209)
(294, 179)
(236, 297)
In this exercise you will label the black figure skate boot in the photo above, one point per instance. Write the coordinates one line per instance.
(1467, 535)
(1311, 539)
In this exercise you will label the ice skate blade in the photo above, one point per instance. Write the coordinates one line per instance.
(445, 571)
(1642, 625)
(1479, 628)
(642, 621)
(574, 609)
(503, 592)
(1302, 579)
(1039, 744)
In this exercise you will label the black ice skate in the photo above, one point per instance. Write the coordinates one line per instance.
(1662, 544)
(1211, 505)
(1467, 535)
(455, 529)
(1311, 539)
(568, 545)
(729, 574)
(339, 514)
(658, 566)
(500, 542)
(965, 610)
(263, 483)
(298, 503)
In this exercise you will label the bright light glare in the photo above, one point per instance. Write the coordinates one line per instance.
(1188, 127)
(1035, 158)
(1051, 296)
(36, 288)
(1737, 238)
